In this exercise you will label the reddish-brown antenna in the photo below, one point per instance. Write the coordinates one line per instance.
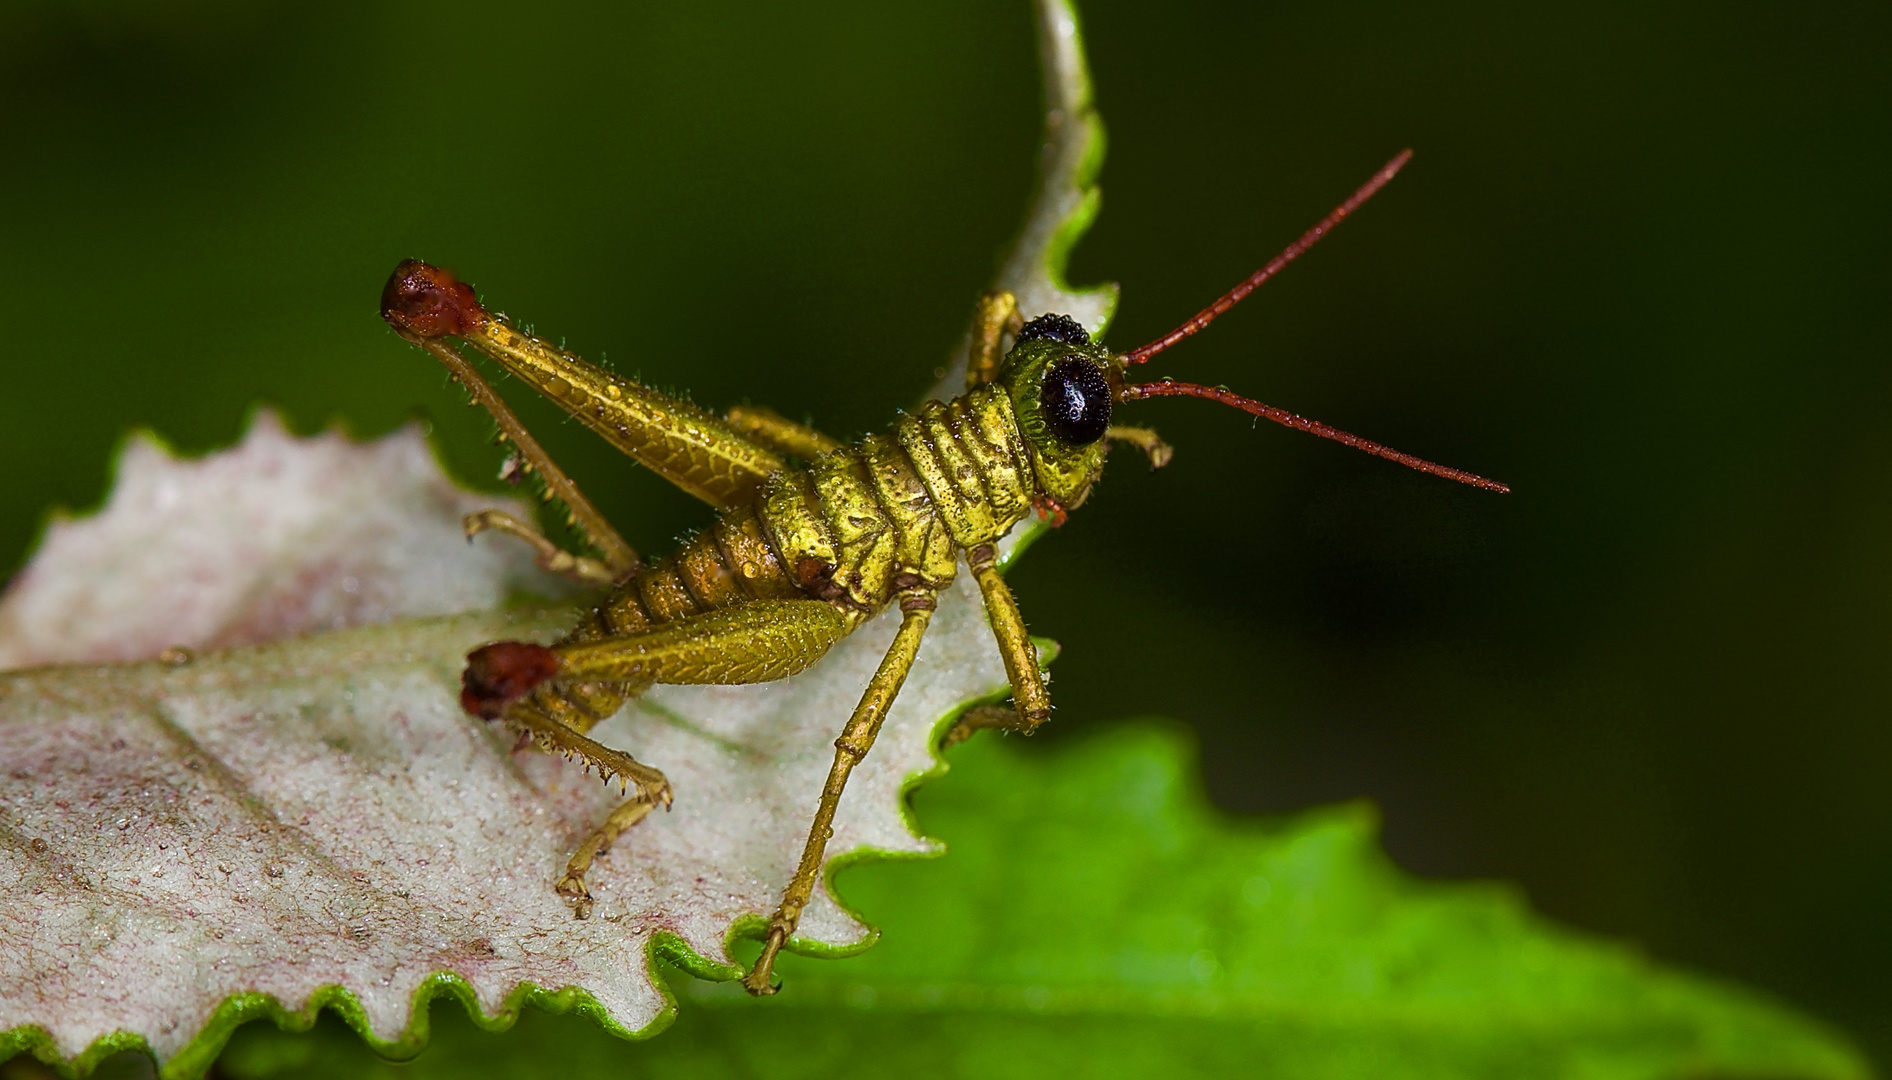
(1172, 388)
(1308, 239)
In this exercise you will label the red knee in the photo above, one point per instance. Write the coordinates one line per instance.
(501, 673)
(428, 302)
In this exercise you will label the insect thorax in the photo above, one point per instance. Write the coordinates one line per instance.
(895, 509)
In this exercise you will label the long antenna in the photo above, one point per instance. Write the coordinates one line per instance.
(1172, 388)
(1308, 239)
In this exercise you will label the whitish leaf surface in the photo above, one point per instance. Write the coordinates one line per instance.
(314, 819)
(275, 537)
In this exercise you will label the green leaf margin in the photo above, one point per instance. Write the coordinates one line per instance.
(197, 1055)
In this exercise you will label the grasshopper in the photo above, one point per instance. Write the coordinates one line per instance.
(813, 536)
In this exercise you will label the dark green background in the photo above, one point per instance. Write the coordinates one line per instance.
(1637, 269)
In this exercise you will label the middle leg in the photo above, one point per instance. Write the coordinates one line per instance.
(996, 317)
(1031, 702)
(916, 611)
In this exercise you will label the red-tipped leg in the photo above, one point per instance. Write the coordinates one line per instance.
(501, 673)
(427, 302)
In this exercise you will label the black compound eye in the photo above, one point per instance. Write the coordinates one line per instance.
(1075, 401)
(1054, 328)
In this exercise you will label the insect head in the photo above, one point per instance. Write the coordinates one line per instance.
(1064, 386)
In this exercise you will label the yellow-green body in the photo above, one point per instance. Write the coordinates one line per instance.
(812, 539)
(802, 517)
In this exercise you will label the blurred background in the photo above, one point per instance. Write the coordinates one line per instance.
(1637, 270)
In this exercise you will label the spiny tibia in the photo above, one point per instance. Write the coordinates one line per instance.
(546, 742)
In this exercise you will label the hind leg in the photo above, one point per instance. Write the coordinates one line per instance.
(620, 560)
(652, 790)
(572, 885)
(541, 691)
(547, 555)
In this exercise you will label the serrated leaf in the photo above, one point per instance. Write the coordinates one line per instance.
(313, 819)
(275, 537)
(1096, 918)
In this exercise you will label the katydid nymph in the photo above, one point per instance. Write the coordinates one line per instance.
(813, 536)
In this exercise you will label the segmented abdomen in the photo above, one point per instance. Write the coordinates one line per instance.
(727, 563)
(852, 528)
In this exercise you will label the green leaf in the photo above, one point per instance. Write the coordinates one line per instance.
(1096, 918)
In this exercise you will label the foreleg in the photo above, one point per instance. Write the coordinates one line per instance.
(985, 718)
(1152, 445)
(997, 316)
(1031, 702)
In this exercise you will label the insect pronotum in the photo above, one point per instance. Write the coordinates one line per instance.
(813, 536)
